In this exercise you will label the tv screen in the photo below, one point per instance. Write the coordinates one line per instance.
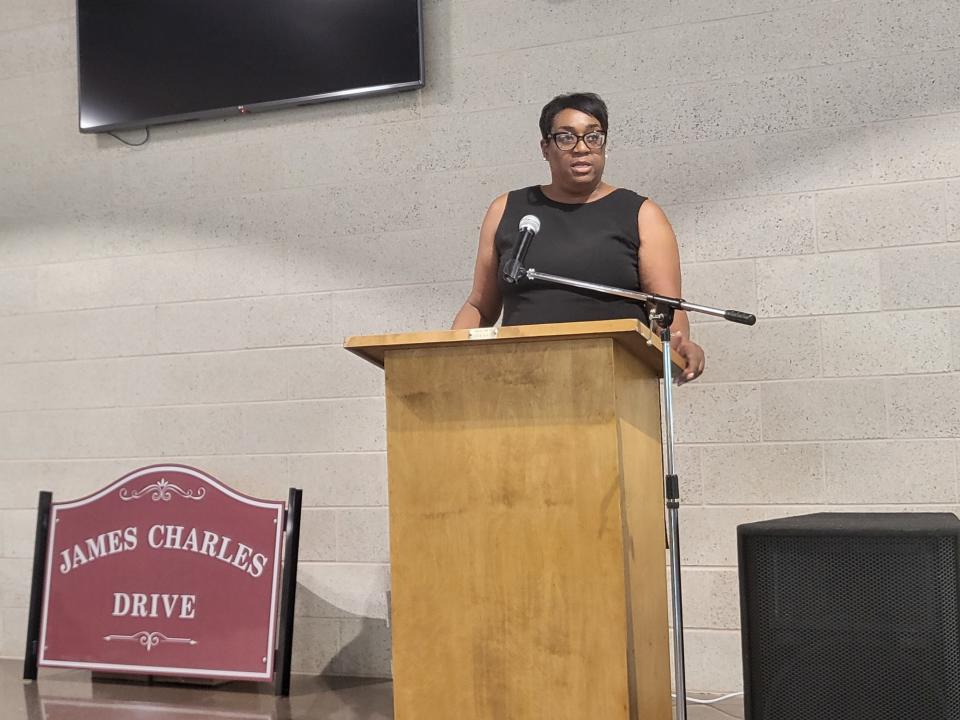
(145, 62)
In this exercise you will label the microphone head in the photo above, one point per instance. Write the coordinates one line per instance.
(530, 222)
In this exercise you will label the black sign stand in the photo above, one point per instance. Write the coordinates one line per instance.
(288, 594)
(36, 586)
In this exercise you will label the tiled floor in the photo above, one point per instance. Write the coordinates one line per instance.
(70, 695)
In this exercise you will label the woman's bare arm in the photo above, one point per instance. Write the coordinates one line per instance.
(660, 273)
(484, 303)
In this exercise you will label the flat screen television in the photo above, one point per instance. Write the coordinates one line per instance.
(146, 62)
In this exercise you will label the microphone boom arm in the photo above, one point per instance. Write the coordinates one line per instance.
(662, 302)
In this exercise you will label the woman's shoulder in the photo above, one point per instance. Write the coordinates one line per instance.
(631, 195)
(513, 197)
(627, 202)
(525, 193)
(508, 204)
(519, 197)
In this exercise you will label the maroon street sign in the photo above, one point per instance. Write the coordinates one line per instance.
(165, 571)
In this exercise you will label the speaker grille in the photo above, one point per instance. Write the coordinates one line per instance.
(850, 626)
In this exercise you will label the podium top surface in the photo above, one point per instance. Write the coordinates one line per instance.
(633, 334)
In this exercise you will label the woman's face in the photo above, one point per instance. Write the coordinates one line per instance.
(580, 166)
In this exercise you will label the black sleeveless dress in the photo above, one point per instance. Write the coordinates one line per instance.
(596, 241)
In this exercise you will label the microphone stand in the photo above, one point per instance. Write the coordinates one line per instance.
(661, 313)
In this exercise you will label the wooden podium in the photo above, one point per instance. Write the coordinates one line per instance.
(526, 522)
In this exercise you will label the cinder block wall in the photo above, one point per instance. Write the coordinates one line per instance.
(186, 300)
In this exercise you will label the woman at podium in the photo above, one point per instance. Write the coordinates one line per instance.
(589, 230)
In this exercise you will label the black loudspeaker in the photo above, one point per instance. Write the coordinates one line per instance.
(851, 616)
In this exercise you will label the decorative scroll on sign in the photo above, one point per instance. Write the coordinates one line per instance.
(166, 571)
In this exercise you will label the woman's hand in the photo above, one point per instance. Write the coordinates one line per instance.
(692, 353)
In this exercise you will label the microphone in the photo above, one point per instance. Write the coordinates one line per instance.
(513, 268)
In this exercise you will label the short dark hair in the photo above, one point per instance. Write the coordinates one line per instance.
(589, 103)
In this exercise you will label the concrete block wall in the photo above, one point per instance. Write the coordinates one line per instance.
(185, 300)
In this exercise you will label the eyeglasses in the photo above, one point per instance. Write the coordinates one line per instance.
(594, 140)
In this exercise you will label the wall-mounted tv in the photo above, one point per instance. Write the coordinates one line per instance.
(146, 62)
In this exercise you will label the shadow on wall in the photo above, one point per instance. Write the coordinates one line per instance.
(342, 647)
(331, 641)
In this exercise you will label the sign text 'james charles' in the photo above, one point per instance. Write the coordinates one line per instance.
(162, 538)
